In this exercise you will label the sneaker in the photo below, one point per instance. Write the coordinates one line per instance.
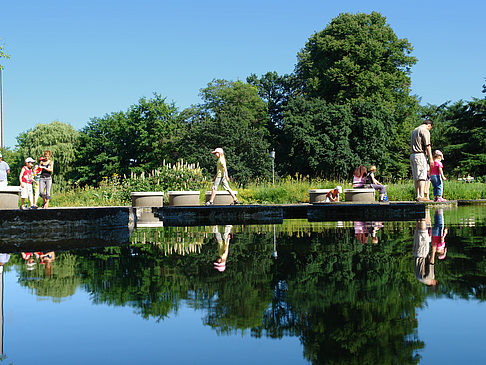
(33, 207)
(441, 199)
(209, 203)
(235, 202)
(22, 207)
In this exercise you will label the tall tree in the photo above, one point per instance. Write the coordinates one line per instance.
(136, 140)
(234, 117)
(356, 56)
(357, 61)
(57, 137)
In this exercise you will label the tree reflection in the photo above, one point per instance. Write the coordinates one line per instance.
(348, 302)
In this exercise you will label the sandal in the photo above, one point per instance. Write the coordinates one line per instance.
(209, 203)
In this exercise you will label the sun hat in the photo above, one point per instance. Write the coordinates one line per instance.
(439, 153)
(218, 150)
(29, 159)
(220, 266)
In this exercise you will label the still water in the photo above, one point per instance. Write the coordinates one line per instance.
(296, 293)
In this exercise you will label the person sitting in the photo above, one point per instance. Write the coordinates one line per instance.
(375, 184)
(359, 177)
(333, 195)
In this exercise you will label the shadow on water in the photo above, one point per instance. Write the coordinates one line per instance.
(349, 290)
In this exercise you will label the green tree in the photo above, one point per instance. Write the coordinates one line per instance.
(234, 117)
(356, 56)
(358, 62)
(137, 140)
(467, 136)
(3, 55)
(57, 137)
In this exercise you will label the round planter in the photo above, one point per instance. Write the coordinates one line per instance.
(183, 198)
(359, 195)
(318, 195)
(222, 197)
(148, 199)
(9, 197)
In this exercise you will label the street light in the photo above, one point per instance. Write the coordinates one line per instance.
(272, 155)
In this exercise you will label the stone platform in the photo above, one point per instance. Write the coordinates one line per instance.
(275, 214)
(62, 228)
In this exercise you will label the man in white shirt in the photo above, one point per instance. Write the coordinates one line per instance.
(4, 171)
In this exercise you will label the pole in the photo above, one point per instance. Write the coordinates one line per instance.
(272, 155)
(1, 108)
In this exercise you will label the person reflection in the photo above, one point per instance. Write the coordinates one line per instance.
(29, 259)
(364, 230)
(4, 258)
(439, 232)
(223, 246)
(360, 232)
(424, 259)
(47, 259)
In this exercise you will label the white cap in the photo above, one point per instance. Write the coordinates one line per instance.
(339, 188)
(29, 159)
(0, 154)
(218, 150)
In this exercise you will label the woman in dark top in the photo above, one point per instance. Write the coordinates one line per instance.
(45, 182)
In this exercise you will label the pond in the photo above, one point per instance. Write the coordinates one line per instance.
(295, 293)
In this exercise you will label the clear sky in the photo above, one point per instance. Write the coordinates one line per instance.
(75, 60)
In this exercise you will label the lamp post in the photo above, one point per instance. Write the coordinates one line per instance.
(1, 107)
(272, 155)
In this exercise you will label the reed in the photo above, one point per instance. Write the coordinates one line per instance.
(289, 190)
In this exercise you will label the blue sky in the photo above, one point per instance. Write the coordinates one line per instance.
(75, 60)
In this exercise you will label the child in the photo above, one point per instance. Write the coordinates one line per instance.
(221, 177)
(437, 176)
(333, 195)
(35, 183)
(25, 179)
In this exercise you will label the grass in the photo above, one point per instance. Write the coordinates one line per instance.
(284, 191)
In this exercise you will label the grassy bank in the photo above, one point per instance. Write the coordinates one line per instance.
(285, 191)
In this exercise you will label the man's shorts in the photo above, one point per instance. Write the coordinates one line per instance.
(220, 180)
(419, 166)
(25, 191)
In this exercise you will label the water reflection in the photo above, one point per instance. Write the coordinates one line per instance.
(346, 301)
(223, 246)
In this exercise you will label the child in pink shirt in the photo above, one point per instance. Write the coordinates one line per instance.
(437, 176)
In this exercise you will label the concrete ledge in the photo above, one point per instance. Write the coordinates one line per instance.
(318, 195)
(64, 228)
(365, 212)
(148, 199)
(222, 197)
(183, 198)
(9, 197)
(359, 195)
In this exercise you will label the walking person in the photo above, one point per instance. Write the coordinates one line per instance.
(420, 150)
(4, 171)
(26, 178)
(45, 181)
(221, 177)
(437, 176)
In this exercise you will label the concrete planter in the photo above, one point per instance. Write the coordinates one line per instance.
(183, 198)
(9, 197)
(148, 199)
(318, 195)
(147, 219)
(222, 197)
(359, 195)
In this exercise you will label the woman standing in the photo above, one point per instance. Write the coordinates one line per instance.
(45, 183)
(221, 177)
